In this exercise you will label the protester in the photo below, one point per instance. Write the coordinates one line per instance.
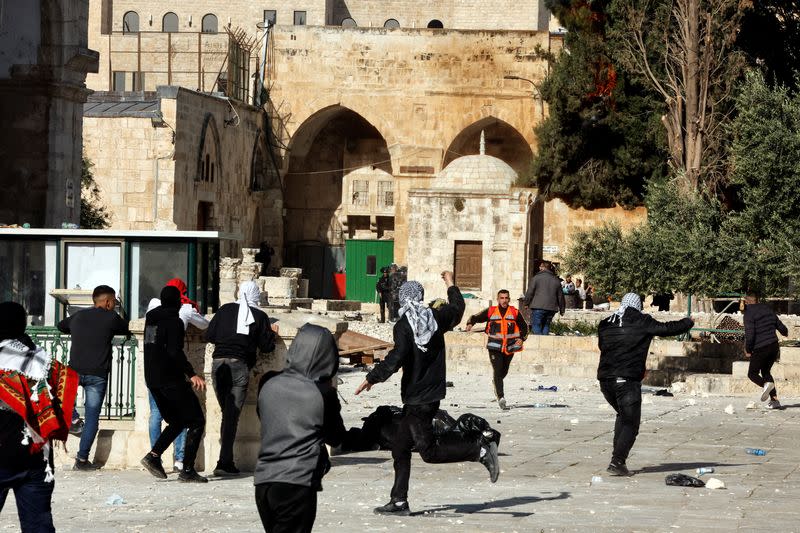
(581, 294)
(92, 331)
(384, 289)
(237, 331)
(506, 330)
(589, 299)
(544, 297)
(37, 395)
(189, 315)
(761, 346)
(166, 370)
(419, 349)
(300, 412)
(624, 340)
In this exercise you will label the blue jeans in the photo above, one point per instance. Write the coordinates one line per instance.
(540, 321)
(155, 430)
(94, 390)
(33, 497)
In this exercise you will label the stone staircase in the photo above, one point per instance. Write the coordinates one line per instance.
(786, 374)
(568, 356)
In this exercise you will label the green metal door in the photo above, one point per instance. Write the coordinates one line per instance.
(364, 260)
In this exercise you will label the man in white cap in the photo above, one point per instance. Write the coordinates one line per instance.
(237, 331)
(624, 340)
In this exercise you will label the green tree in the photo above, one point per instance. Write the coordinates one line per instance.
(601, 141)
(94, 214)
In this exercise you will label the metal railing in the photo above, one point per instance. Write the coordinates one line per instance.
(120, 401)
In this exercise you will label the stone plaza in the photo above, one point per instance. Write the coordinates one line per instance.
(549, 459)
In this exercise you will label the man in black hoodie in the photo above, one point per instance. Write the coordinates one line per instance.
(419, 349)
(761, 346)
(166, 371)
(624, 340)
(300, 413)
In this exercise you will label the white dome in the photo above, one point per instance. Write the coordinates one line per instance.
(476, 172)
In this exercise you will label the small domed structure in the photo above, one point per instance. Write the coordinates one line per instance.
(477, 172)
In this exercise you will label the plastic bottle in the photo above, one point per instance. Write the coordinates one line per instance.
(554, 388)
(755, 451)
(704, 470)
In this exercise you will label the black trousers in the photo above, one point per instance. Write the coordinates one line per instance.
(626, 399)
(181, 409)
(416, 429)
(500, 364)
(760, 369)
(384, 302)
(286, 508)
(231, 378)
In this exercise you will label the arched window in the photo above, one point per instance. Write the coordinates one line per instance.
(169, 24)
(209, 24)
(209, 167)
(391, 23)
(436, 24)
(349, 23)
(130, 22)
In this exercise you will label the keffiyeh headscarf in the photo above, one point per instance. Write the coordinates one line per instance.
(631, 300)
(420, 317)
(249, 294)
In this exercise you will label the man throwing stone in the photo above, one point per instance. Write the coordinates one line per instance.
(419, 349)
(624, 340)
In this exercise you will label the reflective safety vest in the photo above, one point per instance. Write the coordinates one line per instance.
(502, 330)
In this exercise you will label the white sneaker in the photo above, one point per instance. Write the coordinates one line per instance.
(774, 404)
(768, 387)
(502, 402)
(177, 466)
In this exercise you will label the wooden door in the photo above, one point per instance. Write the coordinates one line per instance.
(468, 264)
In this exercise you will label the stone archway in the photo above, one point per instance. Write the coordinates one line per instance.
(331, 143)
(503, 141)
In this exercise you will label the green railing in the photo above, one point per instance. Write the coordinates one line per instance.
(121, 391)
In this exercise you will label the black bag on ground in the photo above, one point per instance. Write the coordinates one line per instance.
(682, 480)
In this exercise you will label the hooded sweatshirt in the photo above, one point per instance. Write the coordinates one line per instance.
(300, 413)
(165, 362)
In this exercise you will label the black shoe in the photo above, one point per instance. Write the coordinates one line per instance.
(618, 469)
(190, 475)
(226, 470)
(152, 463)
(491, 461)
(85, 466)
(394, 508)
(76, 428)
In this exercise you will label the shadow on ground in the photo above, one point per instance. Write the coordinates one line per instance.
(675, 467)
(500, 507)
(353, 460)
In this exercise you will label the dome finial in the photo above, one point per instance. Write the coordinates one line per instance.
(483, 143)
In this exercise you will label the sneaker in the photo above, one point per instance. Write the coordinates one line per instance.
(85, 465)
(490, 460)
(502, 403)
(620, 469)
(774, 404)
(226, 470)
(768, 387)
(152, 463)
(190, 475)
(76, 427)
(397, 508)
(177, 467)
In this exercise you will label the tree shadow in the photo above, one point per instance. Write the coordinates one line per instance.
(458, 509)
(672, 467)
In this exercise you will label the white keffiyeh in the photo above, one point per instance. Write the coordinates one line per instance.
(631, 300)
(419, 316)
(33, 363)
(249, 294)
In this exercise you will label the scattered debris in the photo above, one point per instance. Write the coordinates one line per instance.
(115, 499)
(751, 405)
(574, 421)
(682, 480)
(714, 483)
(552, 388)
(663, 392)
(597, 479)
(704, 470)
(730, 410)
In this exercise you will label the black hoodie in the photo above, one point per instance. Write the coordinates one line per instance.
(165, 362)
(300, 412)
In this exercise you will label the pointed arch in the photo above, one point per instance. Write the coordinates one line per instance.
(502, 141)
(209, 155)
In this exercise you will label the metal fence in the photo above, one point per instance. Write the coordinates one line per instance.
(121, 391)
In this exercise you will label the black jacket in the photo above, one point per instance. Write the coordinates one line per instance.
(165, 362)
(300, 412)
(760, 323)
(227, 343)
(424, 373)
(92, 331)
(623, 349)
(384, 285)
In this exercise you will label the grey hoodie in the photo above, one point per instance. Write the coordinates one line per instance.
(300, 412)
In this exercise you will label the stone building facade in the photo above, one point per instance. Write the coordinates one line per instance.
(44, 58)
(176, 159)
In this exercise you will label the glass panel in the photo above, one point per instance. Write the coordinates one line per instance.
(25, 278)
(270, 15)
(391, 23)
(299, 18)
(371, 265)
(360, 194)
(153, 264)
(91, 264)
(118, 83)
(130, 22)
(169, 23)
(209, 24)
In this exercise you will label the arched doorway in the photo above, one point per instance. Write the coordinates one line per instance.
(332, 143)
(503, 141)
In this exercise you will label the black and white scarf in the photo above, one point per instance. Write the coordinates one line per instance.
(419, 316)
